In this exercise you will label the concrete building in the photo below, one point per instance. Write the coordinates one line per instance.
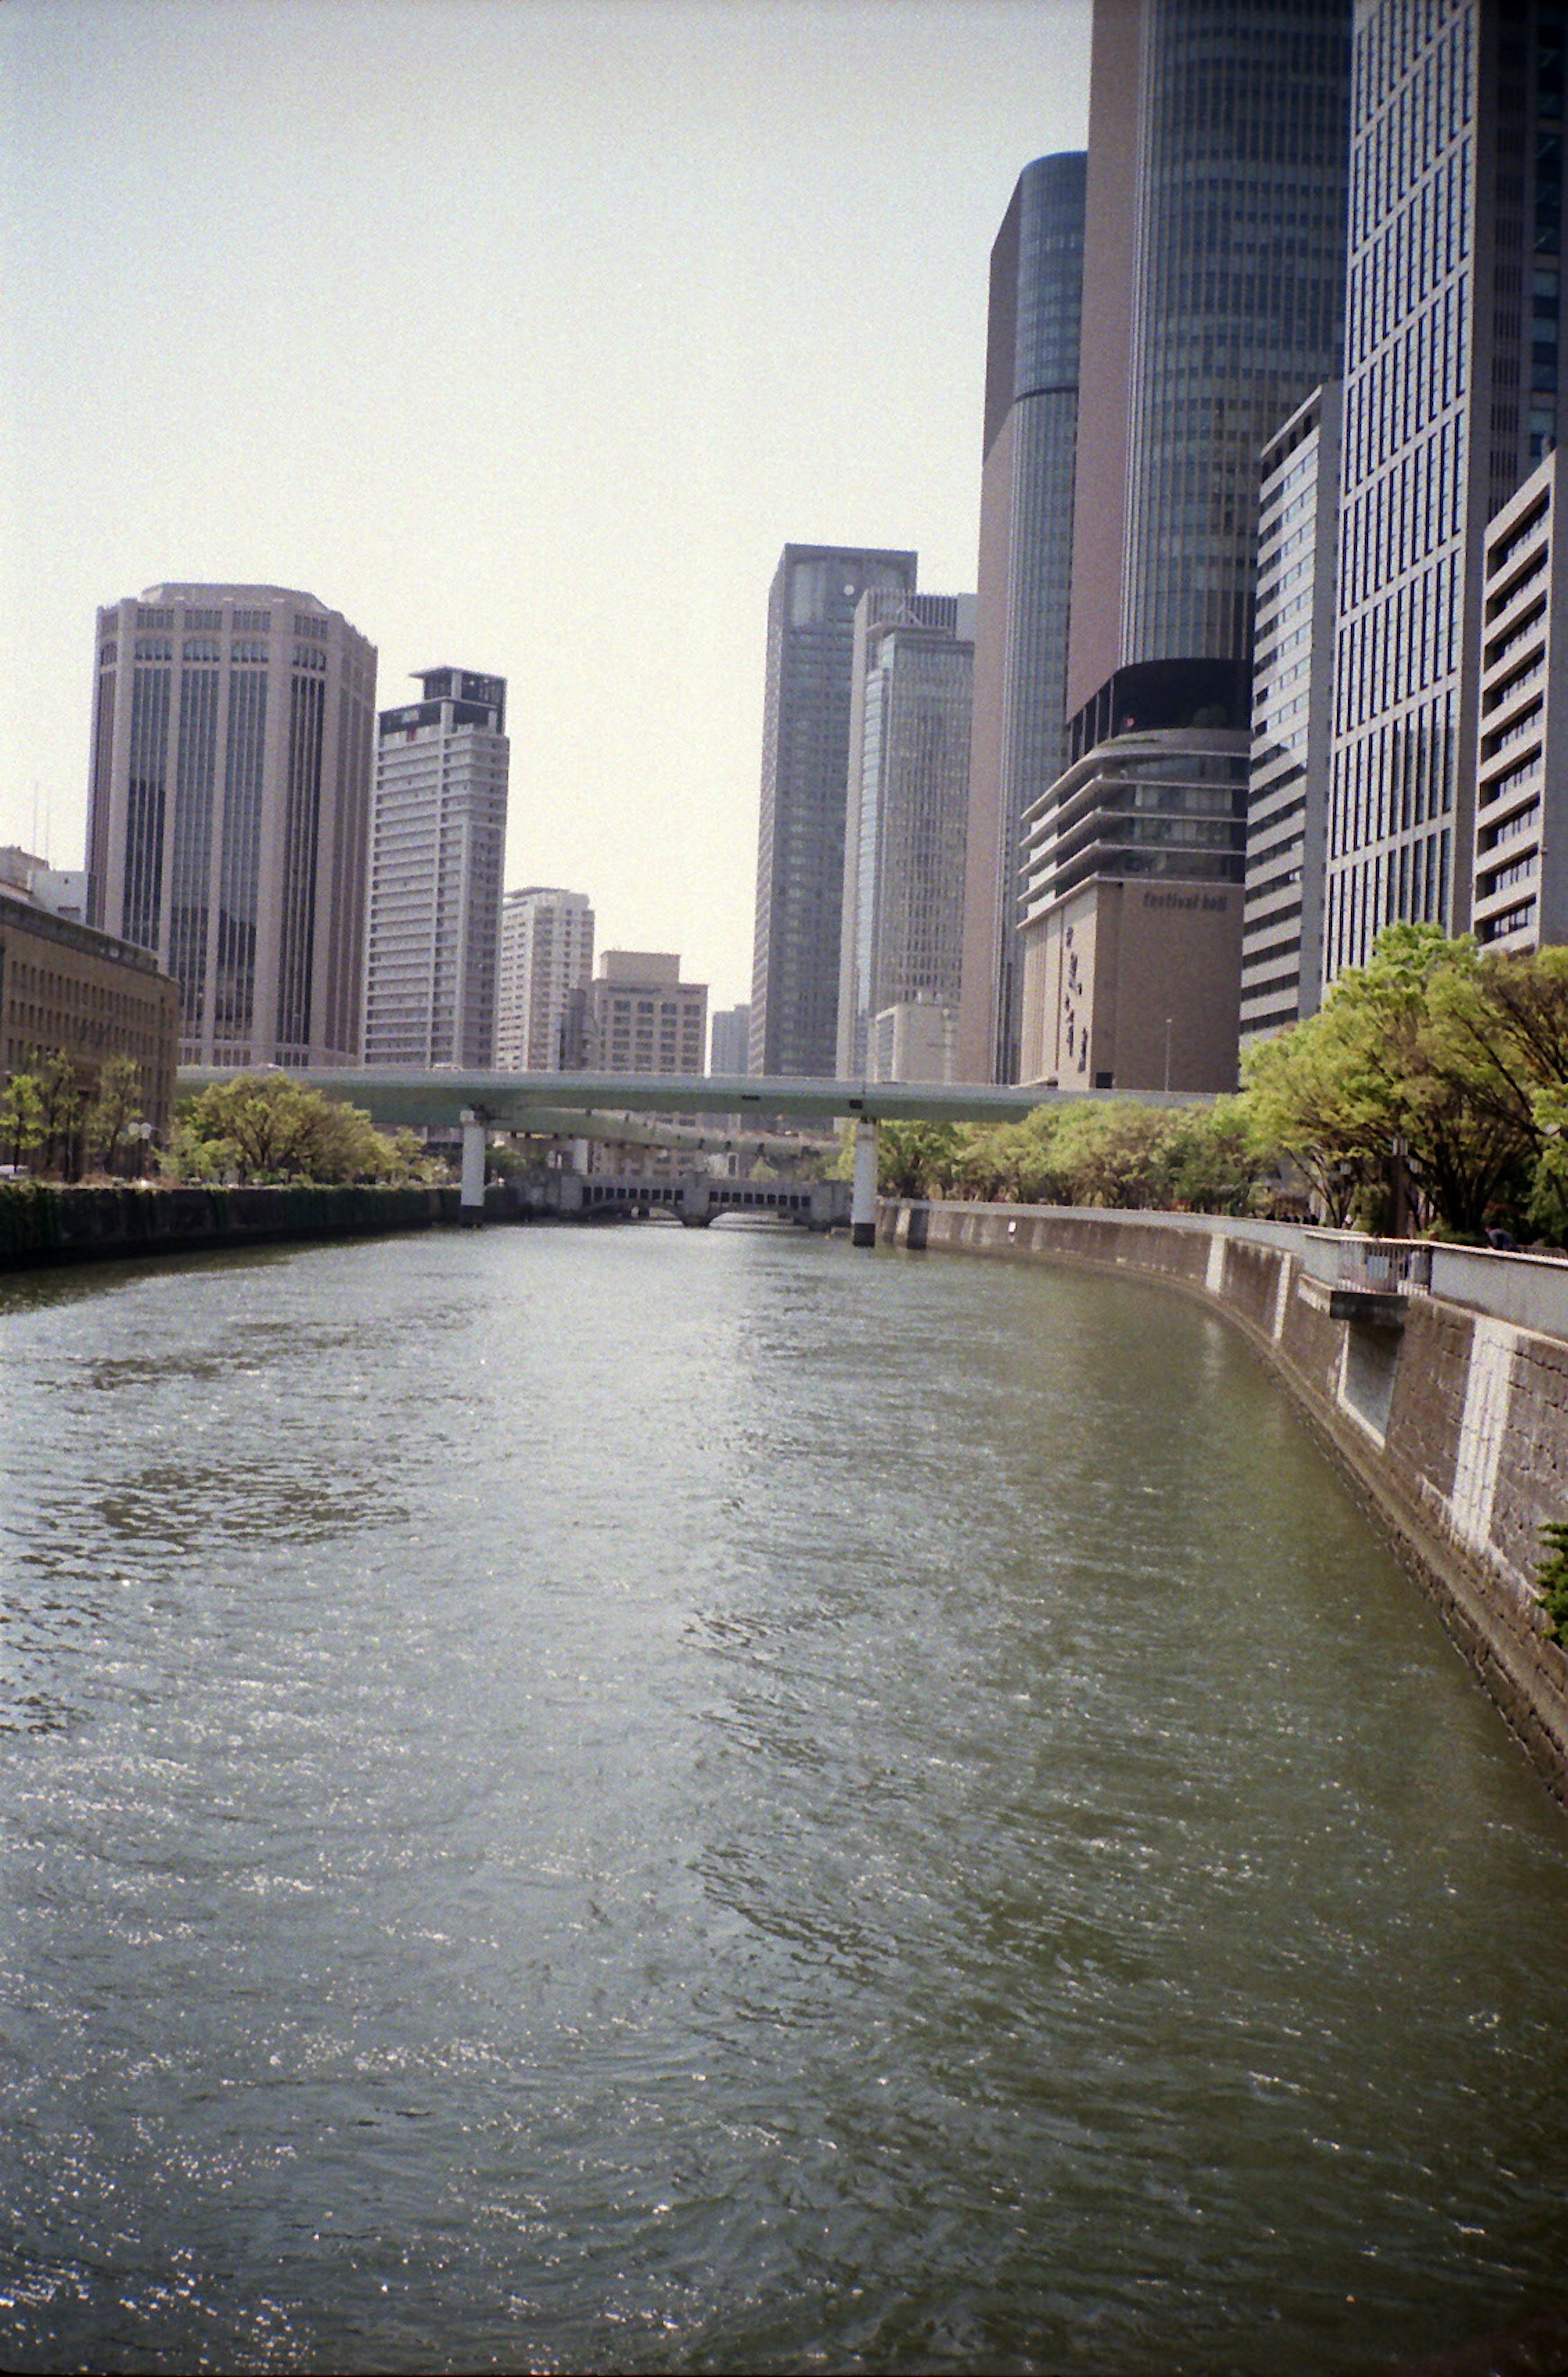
(1019, 741)
(804, 770)
(907, 811)
(437, 841)
(65, 987)
(1453, 345)
(730, 1041)
(915, 1041)
(229, 813)
(1132, 903)
(1521, 858)
(1292, 721)
(547, 953)
(636, 1016)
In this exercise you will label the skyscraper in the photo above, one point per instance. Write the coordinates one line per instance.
(804, 772)
(1026, 499)
(547, 953)
(437, 841)
(1454, 320)
(901, 935)
(229, 808)
(1214, 300)
(1213, 280)
(1292, 720)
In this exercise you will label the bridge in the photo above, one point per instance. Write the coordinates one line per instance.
(695, 1201)
(586, 1104)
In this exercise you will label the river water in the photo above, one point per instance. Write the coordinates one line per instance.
(658, 1800)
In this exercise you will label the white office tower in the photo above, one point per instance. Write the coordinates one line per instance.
(1282, 944)
(906, 808)
(547, 953)
(1521, 872)
(439, 834)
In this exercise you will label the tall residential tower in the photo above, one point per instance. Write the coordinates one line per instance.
(437, 840)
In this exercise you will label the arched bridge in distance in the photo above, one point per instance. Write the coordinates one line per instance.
(589, 1105)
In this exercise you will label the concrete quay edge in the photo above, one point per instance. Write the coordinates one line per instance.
(1449, 1423)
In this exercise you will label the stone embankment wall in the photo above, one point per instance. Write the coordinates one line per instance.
(42, 1224)
(1452, 1425)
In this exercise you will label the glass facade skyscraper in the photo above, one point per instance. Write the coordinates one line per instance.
(1025, 558)
(1452, 363)
(1239, 280)
(794, 977)
(229, 807)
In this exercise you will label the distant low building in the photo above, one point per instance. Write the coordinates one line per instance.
(913, 1041)
(730, 1041)
(63, 986)
(636, 1016)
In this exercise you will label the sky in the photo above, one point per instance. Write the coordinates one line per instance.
(523, 332)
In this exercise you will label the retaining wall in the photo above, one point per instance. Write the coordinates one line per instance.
(1452, 1425)
(43, 1223)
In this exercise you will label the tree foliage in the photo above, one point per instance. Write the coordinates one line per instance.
(1432, 1058)
(266, 1127)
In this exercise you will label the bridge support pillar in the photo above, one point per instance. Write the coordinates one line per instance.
(471, 1197)
(863, 1204)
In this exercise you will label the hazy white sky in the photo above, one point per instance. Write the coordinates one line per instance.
(524, 332)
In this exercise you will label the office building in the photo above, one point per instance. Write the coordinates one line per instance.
(1520, 898)
(229, 813)
(730, 1043)
(1213, 302)
(636, 1016)
(1292, 721)
(1214, 283)
(1025, 556)
(68, 989)
(804, 770)
(907, 805)
(547, 953)
(437, 840)
(1133, 870)
(915, 1041)
(1452, 344)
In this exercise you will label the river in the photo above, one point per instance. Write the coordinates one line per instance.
(627, 1798)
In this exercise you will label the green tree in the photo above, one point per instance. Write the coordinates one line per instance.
(1214, 1162)
(918, 1159)
(21, 1117)
(268, 1127)
(1392, 1062)
(117, 1105)
(1115, 1154)
(61, 1104)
